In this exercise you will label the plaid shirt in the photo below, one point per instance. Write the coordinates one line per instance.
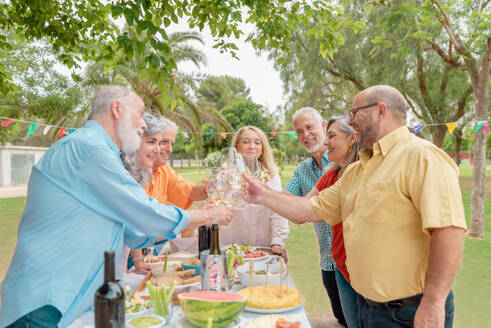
(302, 181)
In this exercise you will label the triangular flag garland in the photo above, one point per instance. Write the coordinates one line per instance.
(8, 122)
(31, 130)
(480, 124)
(418, 128)
(451, 126)
(294, 136)
(62, 132)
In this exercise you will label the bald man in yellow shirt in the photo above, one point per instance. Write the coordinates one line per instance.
(402, 213)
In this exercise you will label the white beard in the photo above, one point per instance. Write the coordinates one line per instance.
(315, 148)
(129, 137)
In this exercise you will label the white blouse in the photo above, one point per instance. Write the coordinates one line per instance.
(256, 225)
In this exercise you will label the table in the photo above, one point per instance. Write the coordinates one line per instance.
(178, 320)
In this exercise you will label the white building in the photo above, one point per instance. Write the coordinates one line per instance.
(16, 163)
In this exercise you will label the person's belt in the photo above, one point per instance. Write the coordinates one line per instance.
(408, 301)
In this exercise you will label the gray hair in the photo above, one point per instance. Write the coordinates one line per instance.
(307, 110)
(131, 160)
(343, 121)
(168, 123)
(103, 99)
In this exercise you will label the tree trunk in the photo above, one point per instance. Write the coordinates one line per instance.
(458, 145)
(481, 96)
(438, 135)
(479, 173)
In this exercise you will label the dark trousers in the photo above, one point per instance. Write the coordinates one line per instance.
(329, 281)
(372, 317)
(44, 317)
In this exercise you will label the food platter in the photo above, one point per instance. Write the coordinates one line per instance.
(271, 311)
(255, 255)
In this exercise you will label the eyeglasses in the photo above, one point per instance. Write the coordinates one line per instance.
(352, 111)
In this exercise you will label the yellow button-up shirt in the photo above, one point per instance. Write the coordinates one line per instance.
(389, 201)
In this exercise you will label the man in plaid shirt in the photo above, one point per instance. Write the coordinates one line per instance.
(311, 131)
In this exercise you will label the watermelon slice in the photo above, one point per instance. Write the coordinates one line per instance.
(222, 307)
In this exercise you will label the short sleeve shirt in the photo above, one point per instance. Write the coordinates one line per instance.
(389, 202)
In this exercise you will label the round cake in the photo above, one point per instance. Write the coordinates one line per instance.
(271, 297)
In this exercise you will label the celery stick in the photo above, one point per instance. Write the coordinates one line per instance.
(165, 262)
(230, 264)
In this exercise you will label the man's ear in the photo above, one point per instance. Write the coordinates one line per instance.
(324, 126)
(382, 112)
(116, 110)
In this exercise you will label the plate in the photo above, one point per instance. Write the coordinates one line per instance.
(271, 311)
(255, 258)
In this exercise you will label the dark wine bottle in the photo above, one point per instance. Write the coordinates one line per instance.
(109, 298)
(203, 239)
(215, 244)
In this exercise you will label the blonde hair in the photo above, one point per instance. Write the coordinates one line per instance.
(266, 159)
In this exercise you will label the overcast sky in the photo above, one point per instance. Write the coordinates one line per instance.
(257, 72)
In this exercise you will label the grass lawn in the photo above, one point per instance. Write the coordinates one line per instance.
(472, 286)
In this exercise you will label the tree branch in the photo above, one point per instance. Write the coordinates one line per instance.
(461, 104)
(421, 76)
(454, 38)
(444, 83)
(453, 61)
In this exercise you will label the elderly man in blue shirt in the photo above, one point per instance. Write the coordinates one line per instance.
(81, 201)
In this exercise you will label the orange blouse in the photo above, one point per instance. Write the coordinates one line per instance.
(169, 186)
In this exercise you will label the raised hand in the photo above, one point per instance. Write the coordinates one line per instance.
(252, 190)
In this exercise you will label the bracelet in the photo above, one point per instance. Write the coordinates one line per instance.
(138, 258)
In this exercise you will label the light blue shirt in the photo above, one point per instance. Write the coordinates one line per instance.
(303, 180)
(81, 201)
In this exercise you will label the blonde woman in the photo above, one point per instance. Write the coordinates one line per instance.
(257, 225)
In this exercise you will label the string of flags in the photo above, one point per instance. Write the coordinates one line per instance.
(61, 132)
(451, 126)
(34, 125)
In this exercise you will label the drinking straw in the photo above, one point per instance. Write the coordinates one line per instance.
(266, 278)
(281, 274)
(251, 271)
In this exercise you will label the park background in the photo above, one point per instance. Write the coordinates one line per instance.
(214, 66)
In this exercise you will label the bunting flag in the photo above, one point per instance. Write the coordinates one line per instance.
(480, 124)
(451, 126)
(273, 133)
(7, 122)
(293, 135)
(418, 128)
(31, 130)
(211, 131)
(46, 129)
(60, 134)
(224, 135)
(71, 131)
(485, 127)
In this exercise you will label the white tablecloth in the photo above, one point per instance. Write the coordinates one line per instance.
(178, 320)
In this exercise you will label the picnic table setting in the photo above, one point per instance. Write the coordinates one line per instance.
(256, 290)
